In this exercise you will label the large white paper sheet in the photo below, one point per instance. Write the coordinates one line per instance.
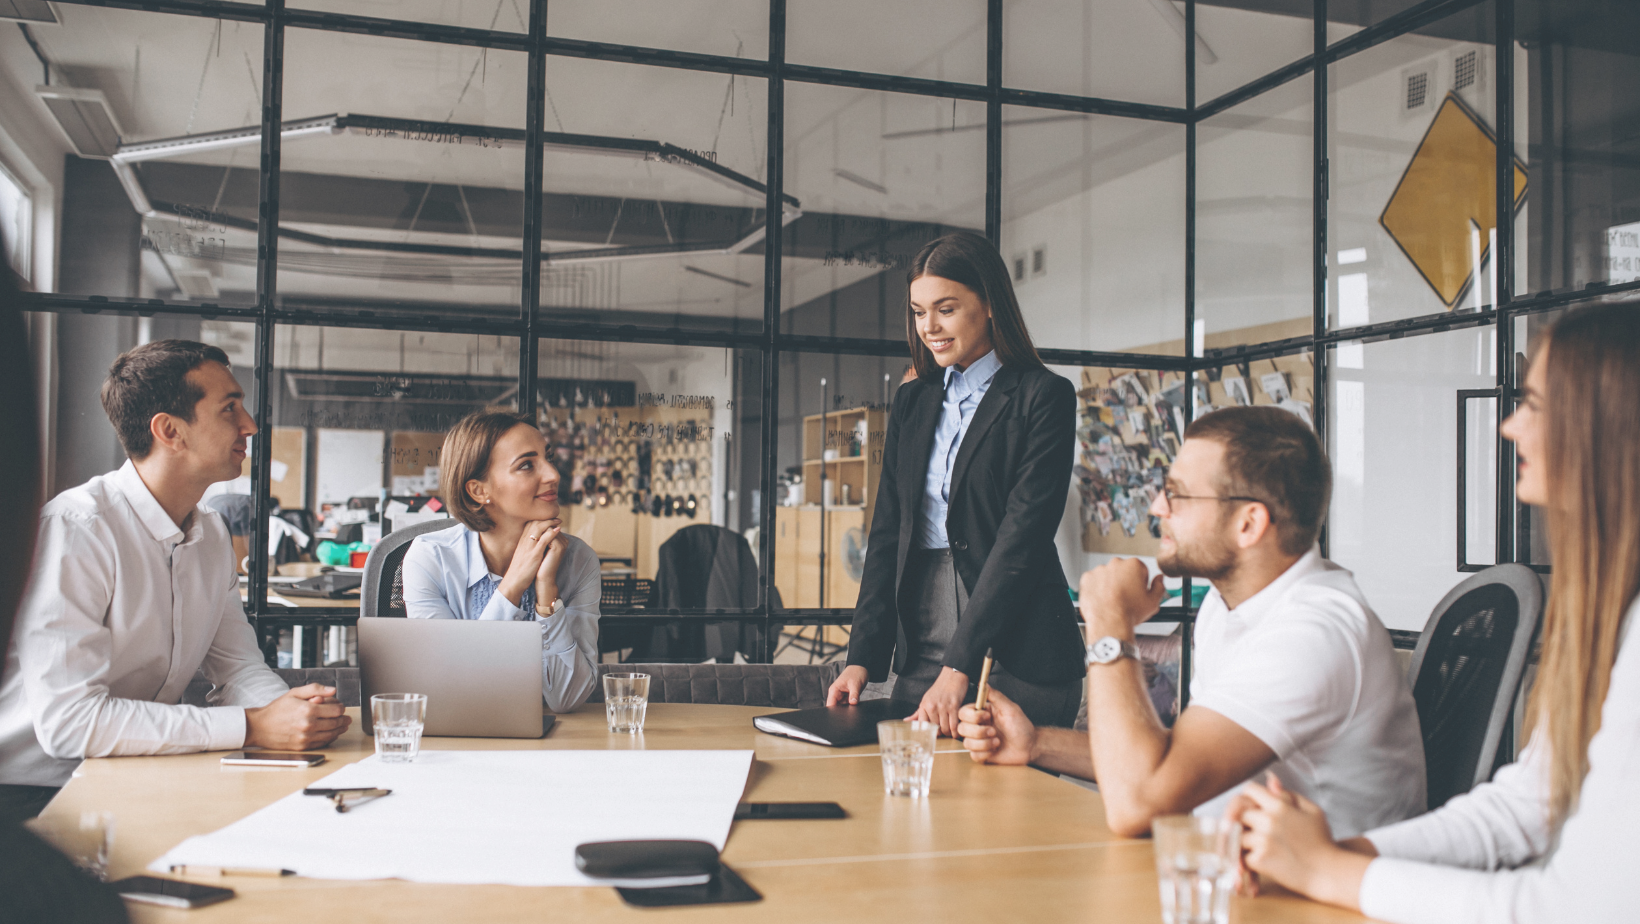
(504, 817)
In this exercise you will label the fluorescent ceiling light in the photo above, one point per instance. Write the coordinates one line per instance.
(35, 11)
(85, 118)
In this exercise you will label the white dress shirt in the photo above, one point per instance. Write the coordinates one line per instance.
(122, 609)
(1304, 666)
(441, 568)
(1490, 855)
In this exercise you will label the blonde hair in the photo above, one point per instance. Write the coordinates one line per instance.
(1592, 444)
(466, 457)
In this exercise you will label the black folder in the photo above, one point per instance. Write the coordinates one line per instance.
(835, 726)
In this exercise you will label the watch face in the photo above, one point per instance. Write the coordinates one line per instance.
(1107, 650)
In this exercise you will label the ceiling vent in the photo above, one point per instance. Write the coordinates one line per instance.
(85, 118)
(30, 11)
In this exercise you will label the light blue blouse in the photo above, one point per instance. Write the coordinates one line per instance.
(963, 392)
(444, 571)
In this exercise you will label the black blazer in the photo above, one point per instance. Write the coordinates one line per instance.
(1007, 497)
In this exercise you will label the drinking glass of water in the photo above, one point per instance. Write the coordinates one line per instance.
(626, 700)
(907, 749)
(85, 838)
(398, 719)
(1196, 864)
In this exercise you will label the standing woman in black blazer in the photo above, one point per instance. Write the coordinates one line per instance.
(976, 465)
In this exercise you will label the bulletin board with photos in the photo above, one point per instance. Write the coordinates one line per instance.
(1131, 422)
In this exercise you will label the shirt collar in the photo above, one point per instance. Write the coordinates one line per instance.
(979, 373)
(147, 507)
(1265, 600)
(477, 569)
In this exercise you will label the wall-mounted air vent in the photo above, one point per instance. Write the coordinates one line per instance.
(1463, 71)
(1420, 91)
(1417, 90)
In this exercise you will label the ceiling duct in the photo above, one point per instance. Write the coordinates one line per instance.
(28, 11)
(85, 118)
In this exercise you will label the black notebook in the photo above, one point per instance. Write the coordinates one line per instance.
(835, 726)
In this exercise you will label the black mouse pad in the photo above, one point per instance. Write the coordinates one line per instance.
(725, 888)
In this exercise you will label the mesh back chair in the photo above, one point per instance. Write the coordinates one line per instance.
(383, 590)
(1466, 673)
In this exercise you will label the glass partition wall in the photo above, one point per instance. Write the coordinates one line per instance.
(677, 236)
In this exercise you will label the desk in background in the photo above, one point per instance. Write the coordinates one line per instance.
(991, 844)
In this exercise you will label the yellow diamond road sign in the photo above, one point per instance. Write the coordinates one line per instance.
(1450, 183)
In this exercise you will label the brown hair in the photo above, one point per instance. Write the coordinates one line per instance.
(466, 457)
(967, 258)
(1273, 455)
(153, 379)
(1592, 449)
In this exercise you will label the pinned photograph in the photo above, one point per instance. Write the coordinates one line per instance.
(1236, 387)
(1276, 385)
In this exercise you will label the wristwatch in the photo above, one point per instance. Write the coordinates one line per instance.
(1111, 649)
(558, 607)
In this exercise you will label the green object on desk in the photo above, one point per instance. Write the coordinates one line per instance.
(334, 553)
(1198, 593)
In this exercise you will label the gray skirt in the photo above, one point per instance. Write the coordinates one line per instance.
(937, 601)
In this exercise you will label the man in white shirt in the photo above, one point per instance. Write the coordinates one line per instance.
(1294, 672)
(134, 589)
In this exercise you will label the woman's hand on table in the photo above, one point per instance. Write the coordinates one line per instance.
(942, 701)
(845, 690)
(1285, 839)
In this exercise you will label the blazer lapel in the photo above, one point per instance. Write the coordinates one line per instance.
(990, 408)
(919, 442)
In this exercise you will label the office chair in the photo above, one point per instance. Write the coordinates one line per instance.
(785, 686)
(1466, 673)
(382, 593)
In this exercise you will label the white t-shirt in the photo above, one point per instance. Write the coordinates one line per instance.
(1306, 667)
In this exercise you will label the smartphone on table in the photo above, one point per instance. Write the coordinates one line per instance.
(172, 893)
(299, 759)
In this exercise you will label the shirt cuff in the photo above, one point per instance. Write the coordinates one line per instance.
(226, 728)
(500, 608)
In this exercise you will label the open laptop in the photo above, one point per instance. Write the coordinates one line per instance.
(482, 678)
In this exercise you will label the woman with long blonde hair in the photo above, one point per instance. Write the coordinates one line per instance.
(1554, 836)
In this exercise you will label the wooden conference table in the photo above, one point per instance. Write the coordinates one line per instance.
(989, 844)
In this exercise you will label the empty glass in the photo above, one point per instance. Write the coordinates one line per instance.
(398, 719)
(85, 838)
(626, 700)
(907, 749)
(1196, 862)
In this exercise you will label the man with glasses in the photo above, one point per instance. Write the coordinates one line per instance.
(1294, 674)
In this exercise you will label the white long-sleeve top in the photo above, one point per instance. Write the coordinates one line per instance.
(440, 569)
(1490, 856)
(122, 609)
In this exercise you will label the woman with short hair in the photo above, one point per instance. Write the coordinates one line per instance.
(1551, 837)
(510, 559)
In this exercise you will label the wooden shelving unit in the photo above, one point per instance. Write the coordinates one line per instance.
(803, 532)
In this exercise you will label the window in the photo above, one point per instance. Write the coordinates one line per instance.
(16, 222)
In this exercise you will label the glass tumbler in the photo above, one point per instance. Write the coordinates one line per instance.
(398, 719)
(1196, 865)
(907, 749)
(626, 700)
(86, 838)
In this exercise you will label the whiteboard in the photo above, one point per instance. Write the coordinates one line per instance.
(350, 464)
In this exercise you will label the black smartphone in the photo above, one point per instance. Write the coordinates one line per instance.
(172, 893)
(788, 810)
